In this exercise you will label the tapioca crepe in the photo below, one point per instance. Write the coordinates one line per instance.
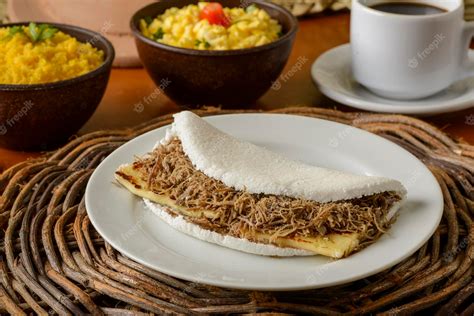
(214, 187)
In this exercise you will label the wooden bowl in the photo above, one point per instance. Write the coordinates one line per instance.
(41, 116)
(204, 77)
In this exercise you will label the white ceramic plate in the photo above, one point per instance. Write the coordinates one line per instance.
(332, 74)
(128, 226)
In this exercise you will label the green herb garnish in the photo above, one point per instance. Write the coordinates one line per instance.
(204, 42)
(251, 8)
(158, 34)
(11, 32)
(280, 34)
(41, 32)
(14, 29)
(47, 33)
(148, 20)
(34, 32)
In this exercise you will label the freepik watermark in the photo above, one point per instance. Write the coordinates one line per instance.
(470, 119)
(140, 106)
(413, 179)
(136, 227)
(245, 3)
(104, 29)
(449, 256)
(297, 66)
(341, 135)
(9, 123)
(427, 51)
(319, 271)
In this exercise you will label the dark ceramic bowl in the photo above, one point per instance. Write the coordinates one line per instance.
(200, 77)
(41, 116)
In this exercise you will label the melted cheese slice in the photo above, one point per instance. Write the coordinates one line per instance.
(331, 245)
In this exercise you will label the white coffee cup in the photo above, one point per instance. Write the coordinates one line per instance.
(410, 56)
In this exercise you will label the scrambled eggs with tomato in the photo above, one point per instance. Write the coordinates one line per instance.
(209, 26)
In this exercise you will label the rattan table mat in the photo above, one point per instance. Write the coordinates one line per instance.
(53, 261)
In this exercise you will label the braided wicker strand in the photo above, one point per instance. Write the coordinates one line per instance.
(53, 261)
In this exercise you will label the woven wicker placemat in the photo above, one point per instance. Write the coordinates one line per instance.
(53, 261)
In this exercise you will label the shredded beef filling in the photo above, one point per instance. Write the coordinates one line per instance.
(169, 172)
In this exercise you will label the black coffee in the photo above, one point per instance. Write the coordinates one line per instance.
(407, 8)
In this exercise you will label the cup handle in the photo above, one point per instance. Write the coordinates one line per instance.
(467, 65)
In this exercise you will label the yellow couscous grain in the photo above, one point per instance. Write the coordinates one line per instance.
(60, 57)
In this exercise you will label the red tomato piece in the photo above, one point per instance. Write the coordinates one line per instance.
(214, 13)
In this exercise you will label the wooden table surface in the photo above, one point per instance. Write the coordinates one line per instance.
(131, 96)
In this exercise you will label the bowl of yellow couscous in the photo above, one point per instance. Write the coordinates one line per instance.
(228, 52)
(52, 78)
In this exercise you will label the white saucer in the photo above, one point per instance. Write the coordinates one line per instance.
(332, 74)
